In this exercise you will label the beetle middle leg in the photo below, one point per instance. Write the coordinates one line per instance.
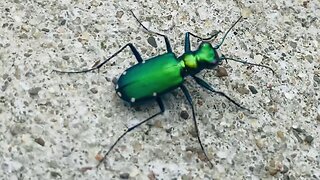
(189, 99)
(205, 85)
(162, 109)
(130, 45)
(166, 39)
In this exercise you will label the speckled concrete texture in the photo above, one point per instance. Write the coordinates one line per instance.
(57, 126)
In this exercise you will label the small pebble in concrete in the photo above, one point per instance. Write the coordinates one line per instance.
(40, 141)
(309, 139)
(221, 72)
(253, 89)
(124, 175)
(152, 41)
(34, 91)
(94, 90)
(184, 114)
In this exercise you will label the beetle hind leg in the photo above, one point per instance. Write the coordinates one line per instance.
(162, 109)
(130, 45)
(189, 99)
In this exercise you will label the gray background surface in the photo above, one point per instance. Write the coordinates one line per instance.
(54, 125)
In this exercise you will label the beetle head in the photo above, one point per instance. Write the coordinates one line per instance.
(209, 56)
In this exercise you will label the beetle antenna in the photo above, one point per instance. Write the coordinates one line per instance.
(225, 35)
(245, 62)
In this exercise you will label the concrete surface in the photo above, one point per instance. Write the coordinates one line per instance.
(53, 126)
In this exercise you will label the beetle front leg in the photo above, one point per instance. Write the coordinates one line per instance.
(187, 46)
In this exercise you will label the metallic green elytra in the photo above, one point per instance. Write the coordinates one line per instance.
(150, 79)
(163, 73)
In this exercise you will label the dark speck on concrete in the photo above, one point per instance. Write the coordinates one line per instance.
(40, 141)
(184, 114)
(34, 91)
(124, 176)
(252, 89)
(309, 139)
(152, 42)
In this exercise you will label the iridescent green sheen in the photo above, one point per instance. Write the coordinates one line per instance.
(163, 73)
(206, 54)
(151, 78)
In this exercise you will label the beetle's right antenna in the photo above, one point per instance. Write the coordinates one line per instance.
(225, 35)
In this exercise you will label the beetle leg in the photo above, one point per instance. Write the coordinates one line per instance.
(131, 46)
(168, 46)
(187, 46)
(162, 109)
(189, 99)
(205, 85)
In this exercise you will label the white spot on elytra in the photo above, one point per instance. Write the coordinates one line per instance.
(133, 99)
(124, 73)
(117, 86)
(154, 94)
(119, 94)
(143, 62)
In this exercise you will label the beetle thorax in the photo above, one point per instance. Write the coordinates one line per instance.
(205, 57)
(189, 62)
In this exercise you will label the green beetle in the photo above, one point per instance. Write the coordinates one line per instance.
(150, 79)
